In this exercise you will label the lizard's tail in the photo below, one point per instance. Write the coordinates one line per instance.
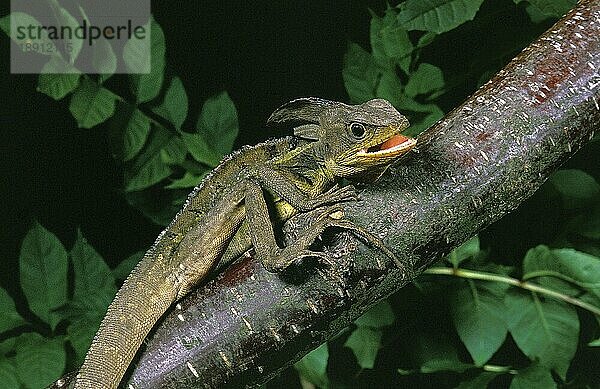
(136, 308)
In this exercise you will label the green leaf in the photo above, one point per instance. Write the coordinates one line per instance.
(426, 39)
(73, 44)
(129, 132)
(589, 224)
(58, 78)
(174, 107)
(535, 14)
(9, 25)
(148, 168)
(364, 343)
(8, 375)
(81, 333)
(436, 15)
(10, 318)
(92, 104)
(217, 129)
(425, 80)
(398, 46)
(135, 55)
(360, 74)
(313, 367)
(39, 361)
(5, 25)
(479, 381)
(547, 266)
(426, 115)
(594, 343)
(550, 8)
(467, 250)
(376, 39)
(218, 123)
(380, 315)
(533, 377)
(43, 273)
(160, 206)
(544, 330)
(389, 42)
(577, 188)
(201, 150)
(7, 346)
(477, 310)
(94, 283)
(189, 180)
(174, 152)
(151, 173)
(409, 104)
(435, 352)
(429, 120)
(104, 58)
(121, 272)
(390, 87)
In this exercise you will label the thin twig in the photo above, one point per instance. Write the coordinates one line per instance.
(484, 276)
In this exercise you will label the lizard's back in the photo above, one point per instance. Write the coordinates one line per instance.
(154, 284)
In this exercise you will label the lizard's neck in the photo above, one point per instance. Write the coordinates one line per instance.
(309, 165)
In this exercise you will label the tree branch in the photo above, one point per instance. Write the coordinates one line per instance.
(473, 167)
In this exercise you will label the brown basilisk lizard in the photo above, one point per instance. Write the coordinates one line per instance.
(227, 214)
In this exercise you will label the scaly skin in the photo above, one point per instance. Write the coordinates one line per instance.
(334, 140)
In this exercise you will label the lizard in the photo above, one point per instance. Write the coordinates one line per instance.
(228, 213)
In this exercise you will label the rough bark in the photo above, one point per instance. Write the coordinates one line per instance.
(479, 163)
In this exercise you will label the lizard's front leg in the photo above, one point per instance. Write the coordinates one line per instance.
(275, 258)
(284, 187)
(262, 235)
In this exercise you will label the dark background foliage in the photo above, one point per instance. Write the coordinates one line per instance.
(264, 54)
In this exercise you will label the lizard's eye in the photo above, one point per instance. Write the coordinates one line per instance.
(357, 130)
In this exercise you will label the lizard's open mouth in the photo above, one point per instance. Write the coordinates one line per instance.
(396, 145)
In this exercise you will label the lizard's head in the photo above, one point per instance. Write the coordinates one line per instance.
(350, 139)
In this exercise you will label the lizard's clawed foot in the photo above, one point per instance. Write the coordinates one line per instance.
(366, 236)
(336, 195)
(280, 265)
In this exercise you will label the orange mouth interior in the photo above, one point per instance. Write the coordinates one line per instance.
(396, 145)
